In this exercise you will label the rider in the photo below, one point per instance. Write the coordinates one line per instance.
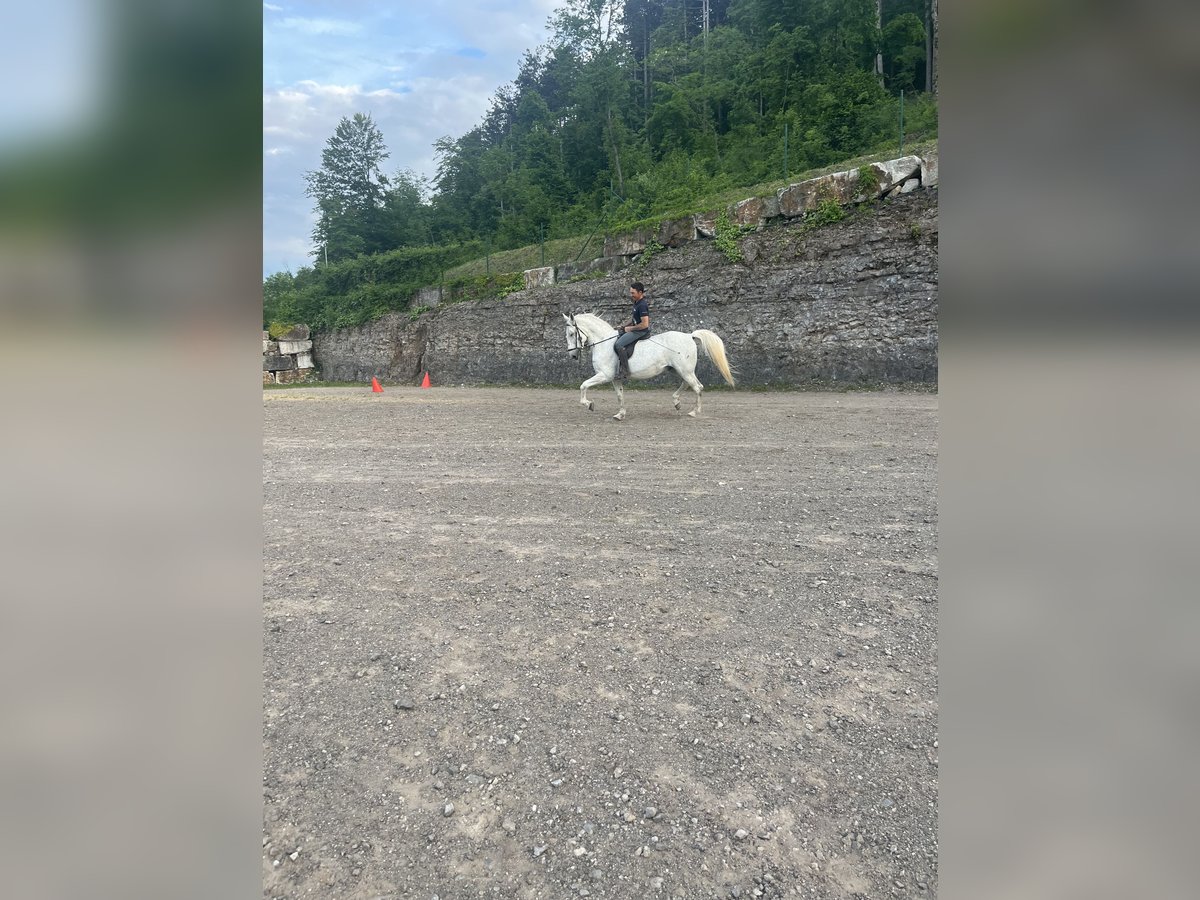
(639, 328)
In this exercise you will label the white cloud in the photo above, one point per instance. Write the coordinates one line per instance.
(405, 67)
(342, 91)
(292, 252)
(338, 27)
(272, 7)
(298, 121)
(410, 119)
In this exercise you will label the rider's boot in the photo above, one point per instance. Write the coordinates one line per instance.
(622, 363)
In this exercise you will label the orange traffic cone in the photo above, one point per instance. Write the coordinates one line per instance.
(375, 388)
(425, 380)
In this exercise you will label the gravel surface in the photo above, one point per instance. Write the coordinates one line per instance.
(516, 649)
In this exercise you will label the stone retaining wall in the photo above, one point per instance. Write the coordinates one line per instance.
(854, 300)
(288, 359)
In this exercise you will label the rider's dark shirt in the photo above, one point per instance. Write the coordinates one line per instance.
(640, 309)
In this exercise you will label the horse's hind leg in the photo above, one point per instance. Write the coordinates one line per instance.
(620, 400)
(678, 391)
(696, 386)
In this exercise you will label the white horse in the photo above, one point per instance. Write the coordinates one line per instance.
(650, 356)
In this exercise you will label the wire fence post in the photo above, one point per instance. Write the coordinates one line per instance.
(785, 149)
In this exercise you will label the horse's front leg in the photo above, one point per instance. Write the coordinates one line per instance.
(583, 389)
(678, 391)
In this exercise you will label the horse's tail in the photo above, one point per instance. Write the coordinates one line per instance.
(714, 348)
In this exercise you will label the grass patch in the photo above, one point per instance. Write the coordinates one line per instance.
(558, 251)
(278, 329)
(728, 239)
(653, 248)
(827, 212)
(312, 384)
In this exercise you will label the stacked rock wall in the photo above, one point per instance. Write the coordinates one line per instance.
(289, 358)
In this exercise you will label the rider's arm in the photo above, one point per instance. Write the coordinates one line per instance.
(640, 326)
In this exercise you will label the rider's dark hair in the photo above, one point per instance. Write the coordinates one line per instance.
(639, 287)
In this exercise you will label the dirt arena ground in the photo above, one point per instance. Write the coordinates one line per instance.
(516, 649)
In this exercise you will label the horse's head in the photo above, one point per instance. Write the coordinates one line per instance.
(576, 339)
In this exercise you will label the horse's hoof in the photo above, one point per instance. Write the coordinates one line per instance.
(693, 414)
(678, 406)
(591, 406)
(619, 416)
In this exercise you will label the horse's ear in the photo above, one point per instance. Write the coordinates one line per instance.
(566, 318)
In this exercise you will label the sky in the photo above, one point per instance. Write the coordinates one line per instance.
(423, 70)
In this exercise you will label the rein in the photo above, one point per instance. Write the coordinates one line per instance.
(580, 338)
(656, 343)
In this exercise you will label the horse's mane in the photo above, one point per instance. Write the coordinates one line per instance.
(591, 320)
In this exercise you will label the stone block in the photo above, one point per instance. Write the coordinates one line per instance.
(304, 360)
(541, 277)
(266, 335)
(605, 264)
(292, 376)
(268, 377)
(797, 199)
(278, 362)
(929, 169)
(294, 346)
(755, 211)
(567, 271)
(847, 187)
(608, 264)
(628, 244)
(895, 172)
(911, 185)
(296, 333)
(428, 296)
(270, 346)
(677, 232)
(706, 224)
(872, 188)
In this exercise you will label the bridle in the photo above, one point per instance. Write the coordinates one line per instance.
(582, 340)
(579, 339)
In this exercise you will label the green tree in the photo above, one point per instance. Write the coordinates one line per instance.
(588, 30)
(349, 190)
(674, 124)
(464, 205)
(904, 51)
(405, 214)
(279, 299)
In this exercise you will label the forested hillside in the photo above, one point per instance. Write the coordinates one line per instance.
(633, 109)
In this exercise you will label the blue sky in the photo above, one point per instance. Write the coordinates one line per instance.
(422, 70)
